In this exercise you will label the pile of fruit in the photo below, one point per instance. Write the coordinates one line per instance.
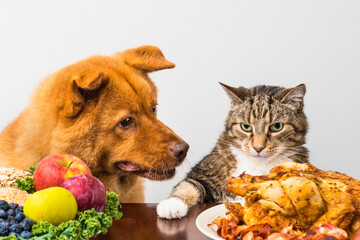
(66, 202)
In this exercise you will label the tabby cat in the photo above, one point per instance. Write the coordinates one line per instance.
(266, 126)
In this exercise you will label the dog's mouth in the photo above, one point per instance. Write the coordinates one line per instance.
(133, 168)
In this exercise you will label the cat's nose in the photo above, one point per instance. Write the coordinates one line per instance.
(258, 149)
(180, 150)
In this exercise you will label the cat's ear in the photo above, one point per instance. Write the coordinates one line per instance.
(237, 95)
(295, 96)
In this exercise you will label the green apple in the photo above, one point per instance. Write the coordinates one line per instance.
(54, 205)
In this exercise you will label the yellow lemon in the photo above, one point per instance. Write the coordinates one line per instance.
(54, 205)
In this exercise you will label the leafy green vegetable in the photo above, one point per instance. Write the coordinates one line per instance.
(32, 168)
(26, 184)
(12, 237)
(86, 224)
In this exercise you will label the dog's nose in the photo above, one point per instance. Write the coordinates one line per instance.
(179, 150)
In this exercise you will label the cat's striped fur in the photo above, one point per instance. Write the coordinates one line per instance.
(263, 110)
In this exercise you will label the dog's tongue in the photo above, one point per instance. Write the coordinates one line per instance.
(128, 167)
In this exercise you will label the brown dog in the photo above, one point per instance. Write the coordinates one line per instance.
(103, 110)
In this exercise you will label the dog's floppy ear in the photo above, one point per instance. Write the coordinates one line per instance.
(83, 85)
(146, 58)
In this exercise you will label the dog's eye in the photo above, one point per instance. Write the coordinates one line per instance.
(154, 108)
(126, 122)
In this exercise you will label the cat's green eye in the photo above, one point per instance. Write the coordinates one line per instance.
(246, 127)
(276, 127)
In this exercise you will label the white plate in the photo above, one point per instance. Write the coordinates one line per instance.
(207, 217)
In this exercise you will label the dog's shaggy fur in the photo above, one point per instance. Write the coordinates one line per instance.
(102, 110)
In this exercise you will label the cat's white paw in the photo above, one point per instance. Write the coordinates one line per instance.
(172, 208)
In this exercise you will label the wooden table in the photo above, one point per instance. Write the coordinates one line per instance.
(140, 221)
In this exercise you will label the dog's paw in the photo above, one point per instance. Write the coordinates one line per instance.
(172, 208)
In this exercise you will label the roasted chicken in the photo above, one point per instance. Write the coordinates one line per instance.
(298, 195)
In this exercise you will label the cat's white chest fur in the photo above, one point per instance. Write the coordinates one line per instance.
(254, 165)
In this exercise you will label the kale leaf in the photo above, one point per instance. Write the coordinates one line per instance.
(26, 184)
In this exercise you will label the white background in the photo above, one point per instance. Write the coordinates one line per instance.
(235, 42)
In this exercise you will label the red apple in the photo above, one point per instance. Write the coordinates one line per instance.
(88, 191)
(53, 170)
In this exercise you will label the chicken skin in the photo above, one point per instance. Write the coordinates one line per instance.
(300, 195)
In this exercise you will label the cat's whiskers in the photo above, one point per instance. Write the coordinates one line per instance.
(285, 153)
(229, 143)
(290, 148)
(222, 152)
(297, 155)
(187, 163)
(222, 149)
(286, 156)
(294, 150)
